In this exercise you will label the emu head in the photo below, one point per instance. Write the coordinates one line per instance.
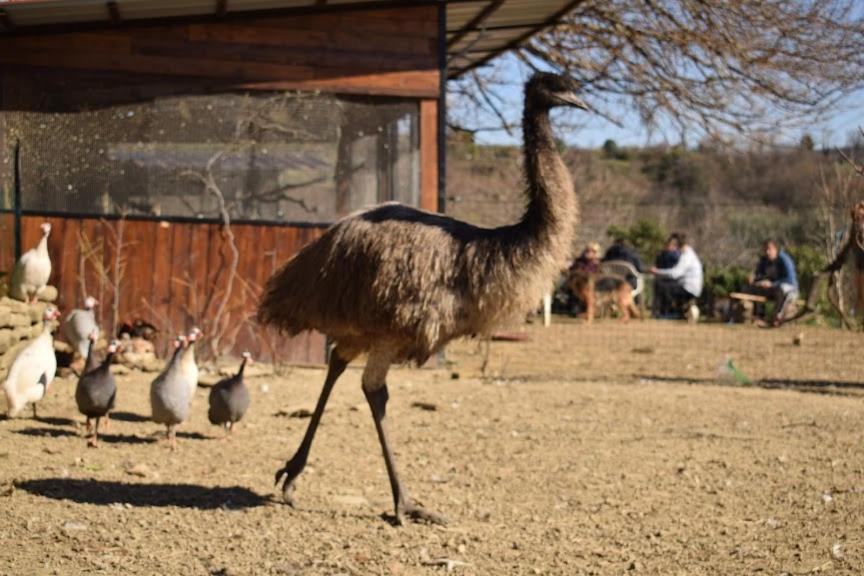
(547, 90)
(858, 224)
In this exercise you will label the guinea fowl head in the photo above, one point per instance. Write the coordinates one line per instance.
(114, 347)
(93, 336)
(194, 335)
(547, 90)
(90, 302)
(51, 313)
(46, 228)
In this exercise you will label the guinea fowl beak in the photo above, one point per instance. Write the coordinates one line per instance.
(571, 99)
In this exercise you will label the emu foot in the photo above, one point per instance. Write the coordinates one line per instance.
(416, 513)
(287, 475)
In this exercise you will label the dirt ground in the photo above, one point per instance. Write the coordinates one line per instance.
(584, 450)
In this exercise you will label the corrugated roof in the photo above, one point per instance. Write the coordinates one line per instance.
(477, 30)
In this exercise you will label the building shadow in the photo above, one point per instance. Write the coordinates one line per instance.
(104, 493)
(835, 387)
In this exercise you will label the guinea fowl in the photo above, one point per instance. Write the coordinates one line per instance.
(80, 325)
(171, 392)
(33, 369)
(96, 392)
(229, 399)
(398, 283)
(31, 272)
(188, 364)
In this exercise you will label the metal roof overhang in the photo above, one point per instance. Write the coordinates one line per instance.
(477, 30)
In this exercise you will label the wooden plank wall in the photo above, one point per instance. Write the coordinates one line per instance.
(173, 275)
(7, 242)
(389, 52)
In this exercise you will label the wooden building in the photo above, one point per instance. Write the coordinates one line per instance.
(137, 127)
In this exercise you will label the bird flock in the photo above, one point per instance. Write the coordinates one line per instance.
(171, 392)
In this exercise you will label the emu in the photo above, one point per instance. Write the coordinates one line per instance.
(398, 283)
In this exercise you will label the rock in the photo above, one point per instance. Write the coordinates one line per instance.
(140, 470)
(799, 339)
(48, 294)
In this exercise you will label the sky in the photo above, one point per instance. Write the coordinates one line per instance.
(593, 131)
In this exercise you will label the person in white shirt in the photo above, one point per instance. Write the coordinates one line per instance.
(683, 282)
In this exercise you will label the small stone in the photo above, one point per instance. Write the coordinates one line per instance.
(837, 551)
(140, 470)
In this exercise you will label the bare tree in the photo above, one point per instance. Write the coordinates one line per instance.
(743, 65)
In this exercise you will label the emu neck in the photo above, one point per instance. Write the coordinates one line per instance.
(551, 199)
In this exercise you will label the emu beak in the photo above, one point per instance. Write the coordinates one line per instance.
(572, 99)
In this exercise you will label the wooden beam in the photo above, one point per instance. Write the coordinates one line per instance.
(475, 22)
(113, 11)
(320, 2)
(552, 20)
(6, 23)
(221, 8)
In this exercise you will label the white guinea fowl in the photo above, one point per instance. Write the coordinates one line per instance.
(188, 366)
(31, 272)
(80, 325)
(170, 393)
(33, 369)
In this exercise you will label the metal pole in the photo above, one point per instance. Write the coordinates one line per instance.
(16, 195)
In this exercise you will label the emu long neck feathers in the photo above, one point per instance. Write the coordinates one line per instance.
(552, 210)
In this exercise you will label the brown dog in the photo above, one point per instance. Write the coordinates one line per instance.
(605, 289)
(855, 244)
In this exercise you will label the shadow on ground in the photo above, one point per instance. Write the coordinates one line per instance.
(128, 417)
(53, 421)
(813, 386)
(52, 432)
(154, 495)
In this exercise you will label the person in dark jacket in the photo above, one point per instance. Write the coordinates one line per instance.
(668, 258)
(621, 250)
(775, 278)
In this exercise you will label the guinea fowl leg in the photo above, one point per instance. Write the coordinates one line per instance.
(35, 415)
(295, 465)
(171, 434)
(375, 389)
(88, 430)
(93, 441)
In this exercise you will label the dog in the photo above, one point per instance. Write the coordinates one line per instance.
(605, 290)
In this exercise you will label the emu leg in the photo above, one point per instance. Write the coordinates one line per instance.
(295, 465)
(404, 504)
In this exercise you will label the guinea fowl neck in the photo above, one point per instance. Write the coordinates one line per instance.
(42, 247)
(90, 363)
(242, 367)
(551, 199)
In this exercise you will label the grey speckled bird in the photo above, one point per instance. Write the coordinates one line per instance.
(96, 392)
(80, 324)
(171, 394)
(229, 399)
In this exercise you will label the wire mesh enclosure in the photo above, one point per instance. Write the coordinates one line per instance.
(272, 157)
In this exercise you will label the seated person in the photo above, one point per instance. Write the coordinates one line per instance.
(585, 281)
(668, 258)
(681, 283)
(621, 250)
(581, 275)
(776, 279)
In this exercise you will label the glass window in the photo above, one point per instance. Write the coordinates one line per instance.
(275, 156)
